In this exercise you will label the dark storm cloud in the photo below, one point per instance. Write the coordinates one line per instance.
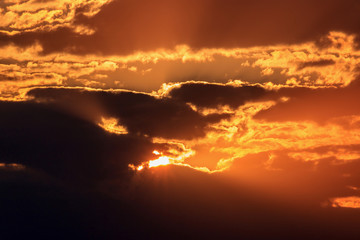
(125, 26)
(65, 146)
(167, 203)
(219, 207)
(140, 113)
(213, 95)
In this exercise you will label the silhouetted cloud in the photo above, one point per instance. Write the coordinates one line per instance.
(72, 163)
(213, 95)
(63, 145)
(140, 113)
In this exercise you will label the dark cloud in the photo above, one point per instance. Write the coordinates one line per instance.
(164, 203)
(171, 117)
(34, 205)
(140, 113)
(313, 104)
(61, 149)
(66, 146)
(63, 159)
(213, 95)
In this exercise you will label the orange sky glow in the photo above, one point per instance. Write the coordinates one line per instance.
(221, 117)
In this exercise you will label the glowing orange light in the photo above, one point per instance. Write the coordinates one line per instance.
(346, 202)
(136, 168)
(163, 160)
(12, 166)
(112, 125)
(156, 152)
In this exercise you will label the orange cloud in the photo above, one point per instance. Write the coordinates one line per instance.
(112, 125)
(293, 65)
(32, 15)
(346, 202)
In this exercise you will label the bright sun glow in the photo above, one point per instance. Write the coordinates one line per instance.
(160, 161)
(163, 160)
(346, 202)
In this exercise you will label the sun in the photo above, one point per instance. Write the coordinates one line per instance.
(160, 161)
(163, 160)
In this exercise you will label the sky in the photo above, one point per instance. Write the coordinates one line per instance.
(206, 119)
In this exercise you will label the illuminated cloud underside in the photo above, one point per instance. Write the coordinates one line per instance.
(346, 202)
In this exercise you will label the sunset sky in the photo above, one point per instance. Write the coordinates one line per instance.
(180, 119)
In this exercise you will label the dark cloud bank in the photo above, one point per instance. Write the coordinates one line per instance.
(140, 113)
(77, 185)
